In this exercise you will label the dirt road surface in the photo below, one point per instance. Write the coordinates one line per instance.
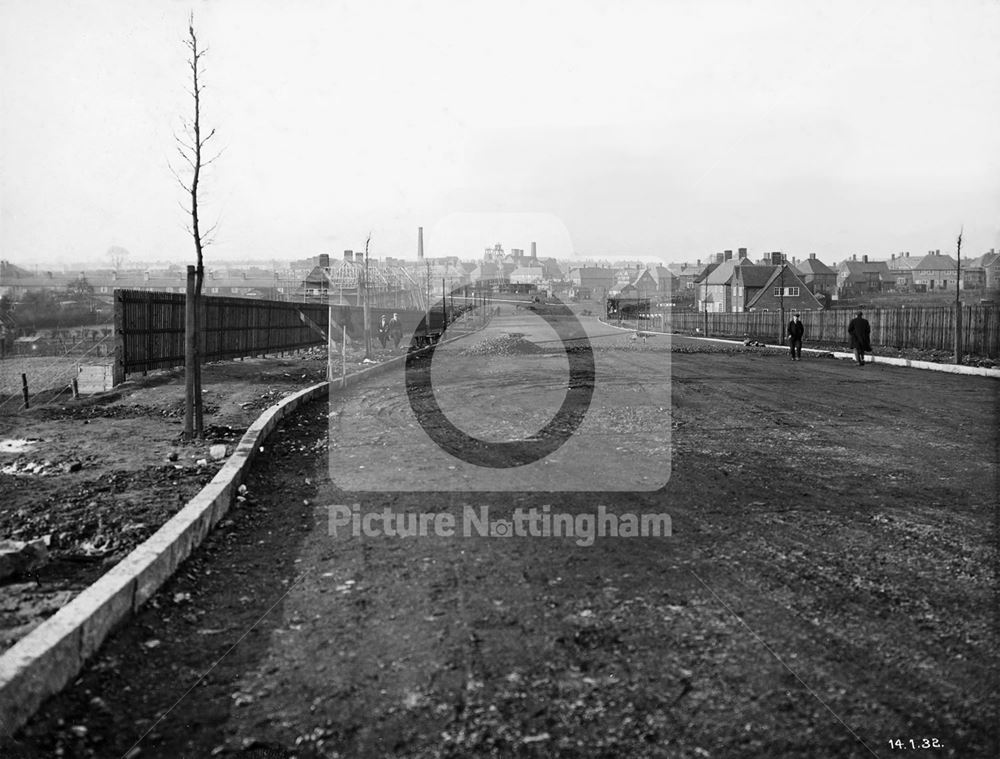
(828, 588)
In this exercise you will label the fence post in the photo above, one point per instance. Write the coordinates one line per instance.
(343, 359)
(24, 389)
(958, 328)
(118, 368)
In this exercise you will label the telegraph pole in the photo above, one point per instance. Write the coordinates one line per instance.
(958, 301)
(781, 300)
(367, 312)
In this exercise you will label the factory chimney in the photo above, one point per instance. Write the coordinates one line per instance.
(420, 243)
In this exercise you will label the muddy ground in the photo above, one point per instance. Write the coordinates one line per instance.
(99, 475)
(829, 587)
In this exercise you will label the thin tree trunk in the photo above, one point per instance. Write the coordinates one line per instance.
(190, 355)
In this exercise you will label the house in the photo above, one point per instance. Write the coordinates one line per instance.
(687, 275)
(817, 276)
(936, 272)
(666, 282)
(487, 273)
(973, 272)
(750, 279)
(527, 275)
(715, 292)
(598, 280)
(985, 269)
(901, 270)
(864, 276)
(782, 289)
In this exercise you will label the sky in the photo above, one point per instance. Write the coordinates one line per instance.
(665, 130)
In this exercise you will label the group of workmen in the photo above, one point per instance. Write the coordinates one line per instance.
(859, 331)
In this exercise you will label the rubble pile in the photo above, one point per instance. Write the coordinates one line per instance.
(512, 344)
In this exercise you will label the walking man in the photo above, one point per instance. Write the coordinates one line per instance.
(383, 329)
(395, 330)
(796, 331)
(860, 332)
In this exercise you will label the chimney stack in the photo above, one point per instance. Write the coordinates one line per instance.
(776, 258)
(729, 255)
(718, 258)
(864, 259)
(348, 255)
(812, 256)
(420, 243)
(324, 260)
(741, 253)
(534, 251)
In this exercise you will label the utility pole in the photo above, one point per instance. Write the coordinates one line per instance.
(427, 292)
(781, 300)
(958, 300)
(367, 312)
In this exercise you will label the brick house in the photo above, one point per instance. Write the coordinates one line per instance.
(817, 276)
(864, 276)
(936, 272)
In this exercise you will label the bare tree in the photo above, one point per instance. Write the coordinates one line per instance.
(191, 146)
(118, 256)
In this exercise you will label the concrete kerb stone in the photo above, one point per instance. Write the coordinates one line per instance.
(40, 664)
(980, 371)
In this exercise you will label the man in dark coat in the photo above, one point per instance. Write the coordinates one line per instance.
(395, 330)
(860, 332)
(796, 331)
(383, 329)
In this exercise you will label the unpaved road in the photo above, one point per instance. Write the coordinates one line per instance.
(829, 587)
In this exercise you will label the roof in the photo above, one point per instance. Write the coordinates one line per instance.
(864, 267)
(528, 271)
(708, 269)
(486, 270)
(935, 261)
(987, 259)
(814, 266)
(644, 274)
(757, 276)
(7, 269)
(791, 280)
(661, 274)
(723, 273)
(903, 263)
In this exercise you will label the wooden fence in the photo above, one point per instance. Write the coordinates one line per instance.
(931, 328)
(149, 329)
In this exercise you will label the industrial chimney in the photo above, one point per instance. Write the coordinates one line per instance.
(420, 243)
(534, 251)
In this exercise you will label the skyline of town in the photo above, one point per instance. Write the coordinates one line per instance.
(659, 131)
